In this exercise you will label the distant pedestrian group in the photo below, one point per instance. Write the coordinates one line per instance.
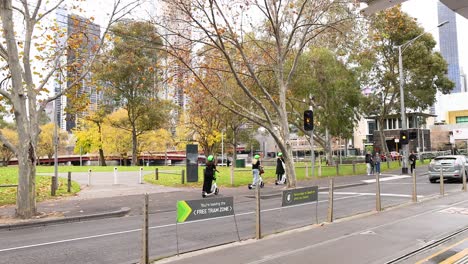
(373, 163)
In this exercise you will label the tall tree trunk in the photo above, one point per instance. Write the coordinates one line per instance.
(328, 148)
(234, 153)
(134, 147)
(290, 168)
(382, 138)
(102, 159)
(26, 127)
(26, 195)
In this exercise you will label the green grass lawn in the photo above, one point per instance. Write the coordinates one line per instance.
(9, 175)
(168, 176)
(171, 176)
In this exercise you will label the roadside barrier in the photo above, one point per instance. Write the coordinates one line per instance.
(171, 172)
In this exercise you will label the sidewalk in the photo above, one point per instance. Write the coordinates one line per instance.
(104, 199)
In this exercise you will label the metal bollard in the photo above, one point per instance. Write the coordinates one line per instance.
(464, 178)
(183, 177)
(258, 222)
(145, 232)
(415, 196)
(337, 169)
(69, 182)
(354, 167)
(156, 174)
(89, 177)
(306, 171)
(442, 191)
(330, 200)
(378, 204)
(140, 180)
(115, 175)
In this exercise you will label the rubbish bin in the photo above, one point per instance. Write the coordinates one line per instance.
(240, 163)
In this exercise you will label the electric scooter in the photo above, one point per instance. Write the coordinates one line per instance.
(282, 181)
(214, 190)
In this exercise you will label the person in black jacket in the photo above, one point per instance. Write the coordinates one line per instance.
(368, 160)
(279, 167)
(412, 161)
(209, 175)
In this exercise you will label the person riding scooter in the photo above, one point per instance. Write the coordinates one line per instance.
(209, 176)
(257, 170)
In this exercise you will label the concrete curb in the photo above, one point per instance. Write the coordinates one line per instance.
(44, 222)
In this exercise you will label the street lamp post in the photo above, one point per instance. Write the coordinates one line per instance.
(401, 49)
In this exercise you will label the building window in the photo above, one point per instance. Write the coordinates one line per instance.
(371, 126)
(461, 119)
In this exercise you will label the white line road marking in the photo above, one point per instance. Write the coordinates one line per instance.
(351, 195)
(153, 227)
(373, 194)
(391, 178)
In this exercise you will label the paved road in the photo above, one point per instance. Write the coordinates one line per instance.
(379, 238)
(118, 240)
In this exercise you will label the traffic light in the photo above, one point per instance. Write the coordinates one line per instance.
(308, 120)
(413, 135)
(404, 137)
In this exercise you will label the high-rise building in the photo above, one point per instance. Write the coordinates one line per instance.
(176, 36)
(449, 44)
(84, 36)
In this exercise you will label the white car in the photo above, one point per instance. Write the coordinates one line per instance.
(452, 167)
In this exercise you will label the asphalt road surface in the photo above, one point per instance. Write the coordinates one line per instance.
(118, 240)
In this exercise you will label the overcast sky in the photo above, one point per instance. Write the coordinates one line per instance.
(424, 10)
(426, 13)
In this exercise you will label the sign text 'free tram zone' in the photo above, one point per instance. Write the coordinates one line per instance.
(203, 209)
(300, 196)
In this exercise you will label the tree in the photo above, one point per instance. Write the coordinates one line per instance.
(30, 76)
(127, 73)
(321, 74)
(93, 119)
(46, 145)
(284, 32)
(424, 69)
(117, 141)
(5, 153)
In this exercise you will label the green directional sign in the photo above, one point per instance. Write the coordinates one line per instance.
(203, 209)
(183, 211)
(300, 195)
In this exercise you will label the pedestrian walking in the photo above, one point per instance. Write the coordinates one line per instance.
(412, 161)
(377, 161)
(280, 169)
(368, 160)
(279, 166)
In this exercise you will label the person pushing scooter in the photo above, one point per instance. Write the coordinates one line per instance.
(209, 176)
(256, 171)
(280, 169)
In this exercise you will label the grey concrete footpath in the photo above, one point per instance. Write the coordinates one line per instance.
(377, 237)
(104, 199)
